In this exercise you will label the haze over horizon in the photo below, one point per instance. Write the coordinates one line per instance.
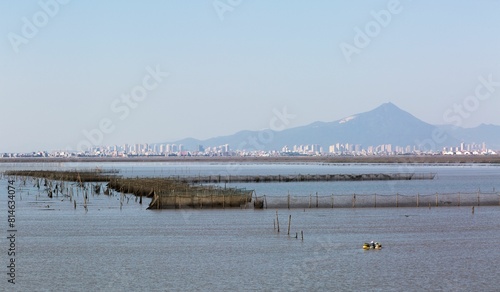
(147, 73)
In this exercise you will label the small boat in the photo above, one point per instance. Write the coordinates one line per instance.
(372, 245)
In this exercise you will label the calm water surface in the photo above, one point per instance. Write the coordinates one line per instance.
(109, 248)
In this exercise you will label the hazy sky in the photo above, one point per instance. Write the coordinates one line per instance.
(159, 71)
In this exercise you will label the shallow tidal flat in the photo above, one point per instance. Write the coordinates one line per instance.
(116, 244)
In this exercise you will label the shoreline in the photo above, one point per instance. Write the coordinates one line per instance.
(400, 159)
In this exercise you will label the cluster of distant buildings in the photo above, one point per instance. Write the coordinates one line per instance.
(338, 149)
(385, 149)
(468, 149)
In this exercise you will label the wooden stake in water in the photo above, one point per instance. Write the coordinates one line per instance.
(289, 222)
(277, 221)
(302, 234)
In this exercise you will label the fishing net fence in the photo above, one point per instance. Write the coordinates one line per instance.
(377, 200)
(202, 197)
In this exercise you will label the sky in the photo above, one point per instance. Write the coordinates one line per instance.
(78, 73)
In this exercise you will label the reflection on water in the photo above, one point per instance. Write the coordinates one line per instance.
(108, 249)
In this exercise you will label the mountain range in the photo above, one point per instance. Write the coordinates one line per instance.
(386, 124)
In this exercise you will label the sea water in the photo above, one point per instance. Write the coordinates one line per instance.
(113, 248)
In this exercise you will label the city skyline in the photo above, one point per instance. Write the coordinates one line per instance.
(342, 149)
(255, 142)
(133, 72)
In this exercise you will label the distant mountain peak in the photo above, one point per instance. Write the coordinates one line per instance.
(383, 125)
(388, 106)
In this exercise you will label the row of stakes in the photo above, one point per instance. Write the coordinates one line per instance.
(277, 226)
(68, 191)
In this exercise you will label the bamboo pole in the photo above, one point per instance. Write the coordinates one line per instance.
(277, 221)
(289, 222)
